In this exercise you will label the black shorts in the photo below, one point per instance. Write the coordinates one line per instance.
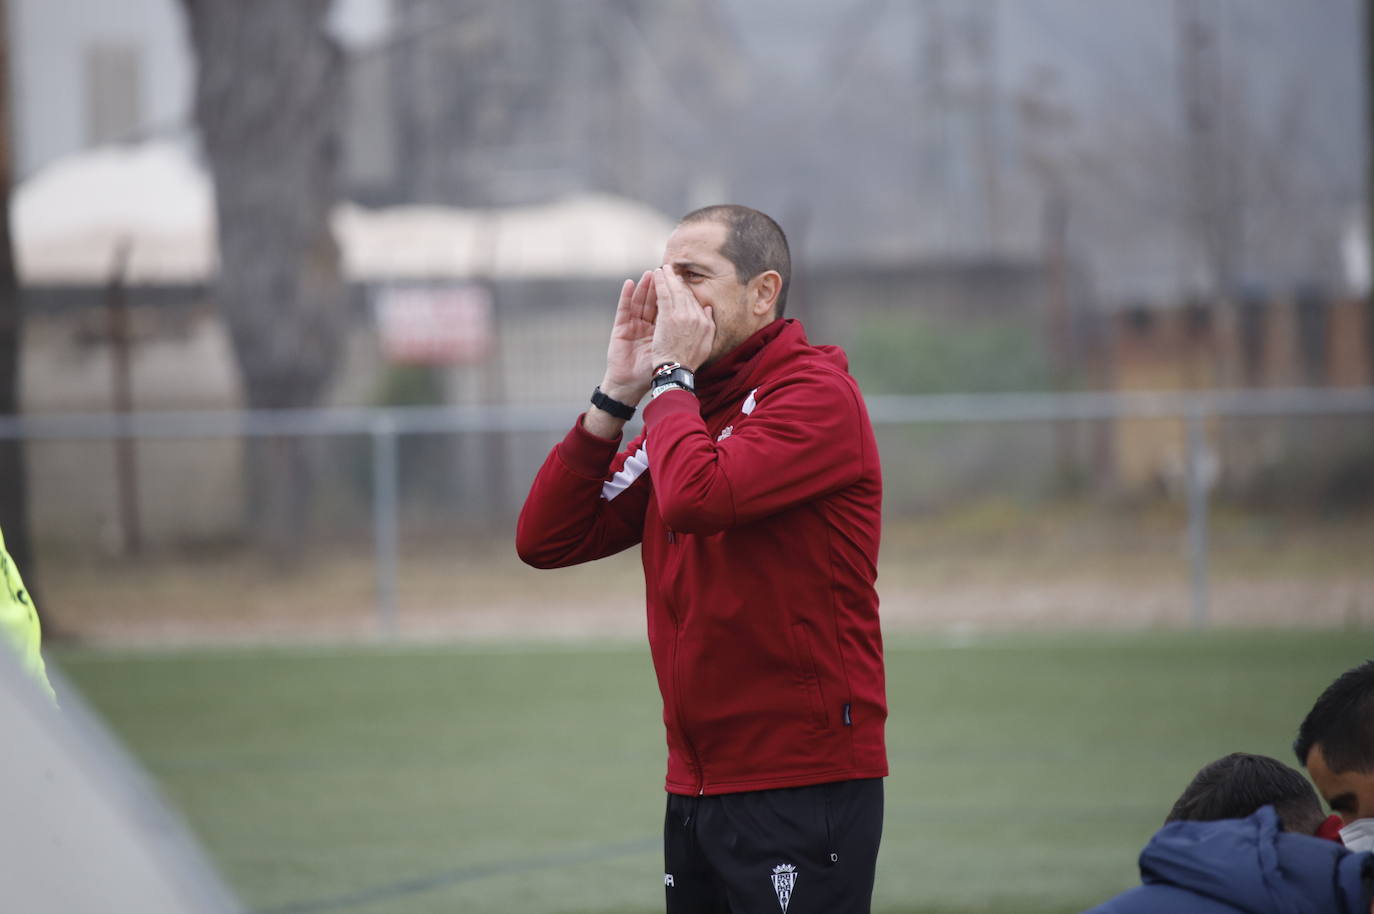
(797, 850)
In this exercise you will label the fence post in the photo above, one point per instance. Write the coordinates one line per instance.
(1198, 484)
(384, 519)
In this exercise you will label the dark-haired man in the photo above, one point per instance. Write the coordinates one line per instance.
(1336, 744)
(1236, 785)
(754, 492)
(1241, 838)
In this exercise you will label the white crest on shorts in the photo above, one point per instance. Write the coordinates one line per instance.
(784, 883)
(725, 433)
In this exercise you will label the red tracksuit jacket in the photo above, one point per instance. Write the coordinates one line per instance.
(757, 508)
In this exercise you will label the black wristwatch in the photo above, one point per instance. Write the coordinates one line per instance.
(672, 376)
(610, 405)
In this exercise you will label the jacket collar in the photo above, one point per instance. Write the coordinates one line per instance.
(747, 365)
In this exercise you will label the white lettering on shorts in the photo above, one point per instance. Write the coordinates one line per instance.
(668, 880)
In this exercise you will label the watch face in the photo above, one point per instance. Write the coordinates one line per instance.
(679, 376)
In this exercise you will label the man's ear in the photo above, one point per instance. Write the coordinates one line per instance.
(767, 287)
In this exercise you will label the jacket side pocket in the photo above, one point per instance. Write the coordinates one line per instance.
(809, 676)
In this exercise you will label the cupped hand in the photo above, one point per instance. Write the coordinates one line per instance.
(684, 330)
(629, 359)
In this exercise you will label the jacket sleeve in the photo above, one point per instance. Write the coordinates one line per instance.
(587, 501)
(806, 438)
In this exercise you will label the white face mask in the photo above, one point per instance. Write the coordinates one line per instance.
(1359, 835)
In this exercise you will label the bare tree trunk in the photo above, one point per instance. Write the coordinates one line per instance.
(14, 514)
(268, 103)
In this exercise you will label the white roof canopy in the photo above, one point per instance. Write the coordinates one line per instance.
(71, 218)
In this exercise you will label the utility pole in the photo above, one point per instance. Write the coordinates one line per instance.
(1212, 211)
(1196, 126)
(984, 49)
(933, 66)
(1045, 122)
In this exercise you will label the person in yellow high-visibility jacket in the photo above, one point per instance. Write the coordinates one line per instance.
(19, 621)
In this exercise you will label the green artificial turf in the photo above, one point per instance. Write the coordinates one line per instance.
(1027, 771)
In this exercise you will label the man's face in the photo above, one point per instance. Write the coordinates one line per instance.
(1350, 794)
(693, 252)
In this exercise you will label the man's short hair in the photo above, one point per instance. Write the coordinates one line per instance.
(1342, 722)
(1237, 785)
(754, 243)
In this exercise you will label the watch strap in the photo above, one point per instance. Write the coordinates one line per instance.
(608, 404)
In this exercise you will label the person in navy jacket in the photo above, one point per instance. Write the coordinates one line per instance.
(1218, 854)
(1245, 866)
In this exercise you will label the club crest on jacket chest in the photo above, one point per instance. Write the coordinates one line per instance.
(745, 409)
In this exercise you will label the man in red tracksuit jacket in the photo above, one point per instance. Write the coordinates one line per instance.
(755, 495)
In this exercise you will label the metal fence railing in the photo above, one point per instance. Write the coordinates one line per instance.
(384, 426)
